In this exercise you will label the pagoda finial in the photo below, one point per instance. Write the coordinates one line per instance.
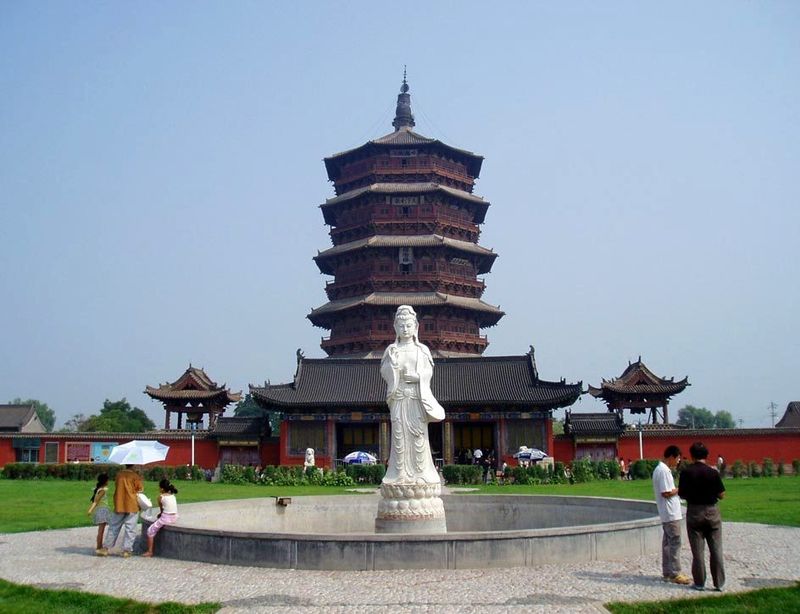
(403, 118)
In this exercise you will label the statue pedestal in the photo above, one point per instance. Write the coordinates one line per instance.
(410, 508)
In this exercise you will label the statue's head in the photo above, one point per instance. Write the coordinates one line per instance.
(405, 323)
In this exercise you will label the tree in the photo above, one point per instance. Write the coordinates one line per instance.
(558, 426)
(724, 420)
(702, 418)
(46, 415)
(118, 417)
(74, 424)
(248, 407)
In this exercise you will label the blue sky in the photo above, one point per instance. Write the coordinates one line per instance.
(161, 171)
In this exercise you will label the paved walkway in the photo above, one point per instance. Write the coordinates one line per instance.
(755, 556)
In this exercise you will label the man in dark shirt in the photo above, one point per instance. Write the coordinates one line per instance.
(702, 487)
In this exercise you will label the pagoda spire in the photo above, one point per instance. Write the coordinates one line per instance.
(403, 118)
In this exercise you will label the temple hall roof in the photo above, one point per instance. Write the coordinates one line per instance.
(246, 427)
(194, 384)
(491, 313)
(457, 382)
(638, 380)
(20, 419)
(791, 417)
(589, 424)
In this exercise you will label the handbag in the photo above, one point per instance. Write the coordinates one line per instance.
(143, 501)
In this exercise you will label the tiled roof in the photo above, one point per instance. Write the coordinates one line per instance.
(246, 427)
(406, 241)
(415, 299)
(457, 383)
(404, 137)
(638, 380)
(606, 423)
(16, 417)
(791, 417)
(405, 188)
(194, 384)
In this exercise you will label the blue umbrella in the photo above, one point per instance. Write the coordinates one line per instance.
(360, 458)
(526, 453)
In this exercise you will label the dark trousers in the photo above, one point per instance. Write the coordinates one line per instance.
(704, 525)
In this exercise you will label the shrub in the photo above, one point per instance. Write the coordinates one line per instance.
(462, 474)
(796, 467)
(769, 468)
(643, 468)
(780, 467)
(754, 470)
(583, 471)
(369, 474)
(232, 474)
(738, 469)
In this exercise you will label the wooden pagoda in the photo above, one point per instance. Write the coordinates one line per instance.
(404, 226)
(193, 394)
(639, 390)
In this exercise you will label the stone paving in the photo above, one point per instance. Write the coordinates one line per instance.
(756, 556)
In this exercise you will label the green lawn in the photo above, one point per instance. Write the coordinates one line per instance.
(15, 598)
(764, 600)
(33, 505)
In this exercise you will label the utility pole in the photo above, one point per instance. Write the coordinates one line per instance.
(772, 407)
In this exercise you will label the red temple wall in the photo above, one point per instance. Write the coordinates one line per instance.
(732, 445)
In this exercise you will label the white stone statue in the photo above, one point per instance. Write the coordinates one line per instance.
(309, 460)
(411, 487)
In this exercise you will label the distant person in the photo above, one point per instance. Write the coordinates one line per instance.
(126, 511)
(622, 473)
(669, 510)
(102, 515)
(477, 455)
(721, 465)
(169, 513)
(702, 488)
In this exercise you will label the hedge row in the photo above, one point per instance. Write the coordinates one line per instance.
(284, 476)
(90, 471)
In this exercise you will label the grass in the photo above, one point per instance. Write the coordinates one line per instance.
(763, 600)
(16, 598)
(35, 505)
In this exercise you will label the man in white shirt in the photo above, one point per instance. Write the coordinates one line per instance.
(669, 510)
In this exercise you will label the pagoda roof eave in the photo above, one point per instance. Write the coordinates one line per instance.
(403, 137)
(491, 314)
(392, 188)
(392, 241)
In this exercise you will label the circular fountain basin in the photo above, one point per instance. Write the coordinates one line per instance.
(337, 533)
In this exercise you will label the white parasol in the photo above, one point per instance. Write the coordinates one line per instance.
(138, 452)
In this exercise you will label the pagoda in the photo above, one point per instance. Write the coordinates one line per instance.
(639, 390)
(404, 224)
(194, 395)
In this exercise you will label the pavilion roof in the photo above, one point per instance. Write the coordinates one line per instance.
(491, 314)
(791, 417)
(194, 385)
(587, 424)
(457, 382)
(638, 380)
